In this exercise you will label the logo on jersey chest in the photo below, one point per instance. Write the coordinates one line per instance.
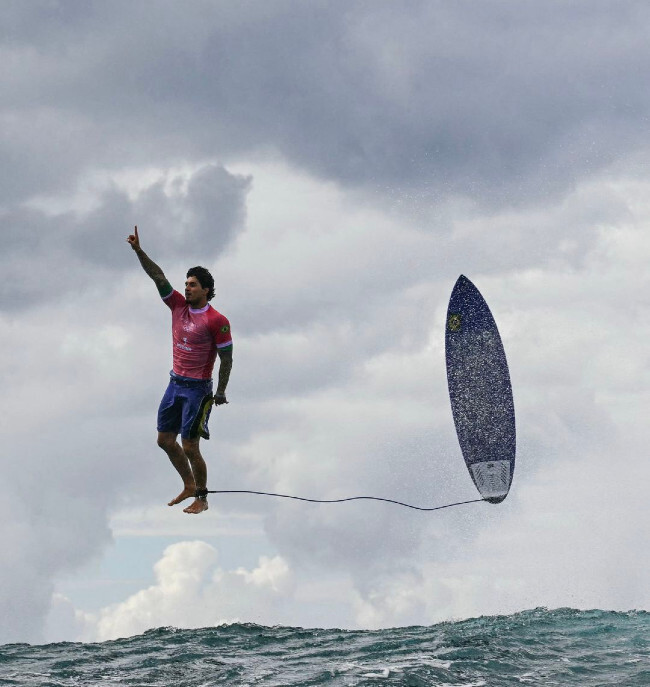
(189, 335)
(184, 345)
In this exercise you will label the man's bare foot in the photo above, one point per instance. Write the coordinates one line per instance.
(197, 507)
(187, 493)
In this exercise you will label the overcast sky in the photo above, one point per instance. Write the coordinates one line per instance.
(336, 164)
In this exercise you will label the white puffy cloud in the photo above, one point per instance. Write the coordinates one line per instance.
(191, 590)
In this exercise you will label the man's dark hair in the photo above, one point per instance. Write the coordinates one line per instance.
(204, 278)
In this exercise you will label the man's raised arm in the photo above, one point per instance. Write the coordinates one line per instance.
(148, 265)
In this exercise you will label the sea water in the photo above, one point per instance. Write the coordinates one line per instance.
(537, 647)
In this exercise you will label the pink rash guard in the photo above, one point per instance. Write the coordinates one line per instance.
(197, 336)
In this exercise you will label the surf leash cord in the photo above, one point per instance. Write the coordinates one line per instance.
(203, 492)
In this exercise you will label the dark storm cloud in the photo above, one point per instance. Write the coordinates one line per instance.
(501, 101)
(195, 221)
(201, 219)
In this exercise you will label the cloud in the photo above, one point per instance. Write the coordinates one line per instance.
(191, 590)
(338, 167)
(183, 216)
(377, 423)
(505, 105)
(63, 298)
(384, 428)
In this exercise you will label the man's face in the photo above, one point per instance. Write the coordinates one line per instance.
(195, 294)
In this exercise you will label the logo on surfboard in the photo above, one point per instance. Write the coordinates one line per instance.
(454, 322)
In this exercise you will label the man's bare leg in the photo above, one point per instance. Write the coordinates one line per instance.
(167, 442)
(200, 472)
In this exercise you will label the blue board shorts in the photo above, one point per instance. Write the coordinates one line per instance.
(185, 407)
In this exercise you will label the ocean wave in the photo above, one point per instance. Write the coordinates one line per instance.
(537, 647)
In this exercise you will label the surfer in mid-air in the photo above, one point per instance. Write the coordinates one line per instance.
(199, 333)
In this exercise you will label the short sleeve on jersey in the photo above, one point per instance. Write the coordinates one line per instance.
(174, 300)
(223, 336)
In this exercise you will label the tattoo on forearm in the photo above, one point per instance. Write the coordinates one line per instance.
(225, 365)
(150, 267)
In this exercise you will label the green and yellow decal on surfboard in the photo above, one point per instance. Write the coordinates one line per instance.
(454, 322)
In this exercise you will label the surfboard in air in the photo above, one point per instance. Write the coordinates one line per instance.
(480, 391)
